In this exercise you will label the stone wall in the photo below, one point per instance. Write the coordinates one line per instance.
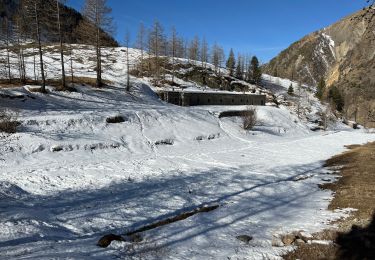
(211, 98)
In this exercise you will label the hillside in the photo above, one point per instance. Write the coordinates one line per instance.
(68, 176)
(344, 55)
(70, 20)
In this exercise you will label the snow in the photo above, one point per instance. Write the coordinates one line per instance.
(112, 178)
(331, 43)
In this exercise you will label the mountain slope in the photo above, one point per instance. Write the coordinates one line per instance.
(344, 55)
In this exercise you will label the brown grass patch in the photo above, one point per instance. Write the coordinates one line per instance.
(87, 81)
(355, 237)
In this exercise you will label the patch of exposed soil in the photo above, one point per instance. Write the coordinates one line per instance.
(355, 236)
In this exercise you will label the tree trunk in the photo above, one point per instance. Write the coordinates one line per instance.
(98, 60)
(63, 83)
(127, 64)
(35, 77)
(43, 89)
(7, 47)
(71, 64)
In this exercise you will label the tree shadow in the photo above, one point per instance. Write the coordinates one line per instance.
(128, 205)
(359, 243)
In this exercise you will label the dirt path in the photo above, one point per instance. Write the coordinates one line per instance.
(355, 236)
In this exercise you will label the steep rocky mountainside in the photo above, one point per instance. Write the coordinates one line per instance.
(344, 55)
(70, 21)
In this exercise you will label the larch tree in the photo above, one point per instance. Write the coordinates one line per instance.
(127, 43)
(98, 13)
(173, 45)
(194, 49)
(180, 52)
(231, 62)
(140, 44)
(218, 57)
(34, 14)
(21, 32)
(204, 53)
(156, 46)
(6, 35)
(61, 41)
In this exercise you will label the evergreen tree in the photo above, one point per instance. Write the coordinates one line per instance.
(239, 70)
(320, 89)
(291, 89)
(256, 73)
(231, 62)
(336, 98)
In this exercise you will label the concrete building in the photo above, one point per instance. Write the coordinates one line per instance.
(203, 98)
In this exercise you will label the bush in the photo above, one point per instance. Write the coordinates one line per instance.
(335, 96)
(249, 118)
(291, 90)
(8, 121)
(115, 120)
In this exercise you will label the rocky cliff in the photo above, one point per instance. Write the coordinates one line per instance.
(343, 54)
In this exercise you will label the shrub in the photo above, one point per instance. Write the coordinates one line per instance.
(115, 120)
(291, 90)
(8, 121)
(336, 97)
(249, 118)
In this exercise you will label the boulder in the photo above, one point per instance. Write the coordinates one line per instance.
(244, 238)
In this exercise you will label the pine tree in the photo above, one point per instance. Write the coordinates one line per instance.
(291, 89)
(231, 62)
(336, 98)
(239, 71)
(256, 73)
(320, 89)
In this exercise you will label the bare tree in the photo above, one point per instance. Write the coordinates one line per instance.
(174, 43)
(217, 57)
(194, 49)
(299, 97)
(221, 56)
(204, 53)
(156, 45)
(63, 82)
(33, 8)
(6, 31)
(98, 14)
(127, 42)
(20, 33)
(140, 44)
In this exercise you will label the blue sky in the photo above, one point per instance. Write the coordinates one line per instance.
(262, 28)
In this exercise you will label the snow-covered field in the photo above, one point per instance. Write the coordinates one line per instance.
(68, 177)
